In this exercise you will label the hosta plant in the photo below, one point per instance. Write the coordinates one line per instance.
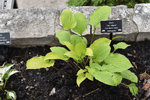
(5, 73)
(90, 62)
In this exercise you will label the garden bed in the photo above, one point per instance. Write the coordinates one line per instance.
(38, 84)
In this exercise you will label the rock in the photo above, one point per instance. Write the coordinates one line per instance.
(142, 19)
(41, 3)
(29, 26)
(53, 91)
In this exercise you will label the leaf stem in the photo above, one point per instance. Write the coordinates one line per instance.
(93, 35)
(124, 85)
(86, 60)
(76, 67)
(61, 71)
(70, 65)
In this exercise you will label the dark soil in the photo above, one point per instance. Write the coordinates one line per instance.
(37, 84)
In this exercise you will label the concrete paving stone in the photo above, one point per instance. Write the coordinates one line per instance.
(41, 3)
(141, 17)
(28, 24)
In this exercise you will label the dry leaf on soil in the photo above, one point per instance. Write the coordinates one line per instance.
(147, 94)
(146, 86)
(144, 76)
(135, 65)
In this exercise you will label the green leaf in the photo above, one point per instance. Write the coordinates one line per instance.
(101, 13)
(119, 61)
(100, 52)
(89, 76)
(75, 39)
(84, 40)
(112, 68)
(5, 69)
(120, 45)
(81, 71)
(55, 55)
(108, 78)
(127, 74)
(90, 70)
(69, 45)
(95, 66)
(80, 79)
(72, 54)
(63, 36)
(89, 52)
(133, 89)
(117, 37)
(68, 19)
(39, 62)
(60, 50)
(11, 95)
(80, 49)
(99, 41)
(81, 23)
(10, 73)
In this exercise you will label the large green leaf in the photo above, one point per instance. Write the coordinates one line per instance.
(80, 79)
(89, 52)
(39, 62)
(95, 66)
(100, 52)
(133, 89)
(99, 41)
(84, 40)
(81, 71)
(69, 45)
(120, 45)
(108, 78)
(72, 54)
(112, 68)
(81, 23)
(63, 36)
(80, 49)
(101, 13)
(68, 19)
(75, 39)
(55, 55)
(60, 50)
(90, 70)
(119, 61)
(127, 74)
(89, 76)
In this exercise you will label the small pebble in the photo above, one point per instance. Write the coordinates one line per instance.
(47, 69)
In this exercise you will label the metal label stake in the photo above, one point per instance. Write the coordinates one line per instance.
(4, 40)
(111, 26)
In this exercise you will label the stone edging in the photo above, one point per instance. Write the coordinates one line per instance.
(38, 26)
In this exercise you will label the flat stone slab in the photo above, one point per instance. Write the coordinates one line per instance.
(41, 3)
(28, 24)
(39, 26)
(142, 19)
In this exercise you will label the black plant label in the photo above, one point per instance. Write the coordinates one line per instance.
(5, 39)
(111, 26)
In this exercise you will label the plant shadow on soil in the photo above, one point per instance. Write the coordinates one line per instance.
(38, 83)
